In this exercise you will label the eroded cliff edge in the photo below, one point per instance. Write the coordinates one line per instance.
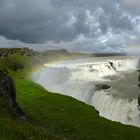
(8, 96)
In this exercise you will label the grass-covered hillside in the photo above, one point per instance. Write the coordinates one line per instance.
(53, 116)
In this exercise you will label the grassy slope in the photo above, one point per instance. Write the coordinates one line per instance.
(69, 117)
(12, 128)
(57, 117)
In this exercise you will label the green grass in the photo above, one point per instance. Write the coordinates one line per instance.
(18, 66)
(55, 116)
(13, 129)
(68, 117)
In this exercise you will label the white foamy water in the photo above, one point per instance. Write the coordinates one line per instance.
(77, 78)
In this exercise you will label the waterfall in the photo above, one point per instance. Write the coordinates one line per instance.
(77, 78)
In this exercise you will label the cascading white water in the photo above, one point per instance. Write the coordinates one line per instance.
(77, 78)
(116, 109)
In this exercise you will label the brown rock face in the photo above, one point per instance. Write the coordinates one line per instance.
(8, 94)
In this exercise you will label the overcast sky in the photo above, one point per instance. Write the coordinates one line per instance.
(77, 25)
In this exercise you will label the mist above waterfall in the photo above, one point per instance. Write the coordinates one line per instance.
(78, 78)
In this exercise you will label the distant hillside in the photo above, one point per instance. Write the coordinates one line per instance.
(5, 52)
(60, 51)
(107, 54)
(66, 52)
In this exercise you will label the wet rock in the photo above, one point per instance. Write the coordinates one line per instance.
(102, 87)
(112, 65)
(139, 86)
(139, 100)
(8, 95)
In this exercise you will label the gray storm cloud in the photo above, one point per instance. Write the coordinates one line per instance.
(131, 6)
(103, 24)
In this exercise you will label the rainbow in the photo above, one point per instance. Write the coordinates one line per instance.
(42, 66)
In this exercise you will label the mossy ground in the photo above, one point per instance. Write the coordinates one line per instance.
(53, 116)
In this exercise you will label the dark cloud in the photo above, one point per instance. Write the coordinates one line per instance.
(40, 21)
(130, 6)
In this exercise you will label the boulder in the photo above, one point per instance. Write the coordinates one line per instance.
(112, 65)
(102, 87)
(139, 100)
(139, 86)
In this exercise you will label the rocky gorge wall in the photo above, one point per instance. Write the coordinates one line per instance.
(8, 95)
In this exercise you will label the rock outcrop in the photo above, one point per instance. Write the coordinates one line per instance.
(8, 95)
(102, 87)
(139, 87)
(5, 52)
(112, 65)
(139, 100)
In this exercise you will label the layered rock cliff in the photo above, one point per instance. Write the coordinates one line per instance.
(8, 95)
